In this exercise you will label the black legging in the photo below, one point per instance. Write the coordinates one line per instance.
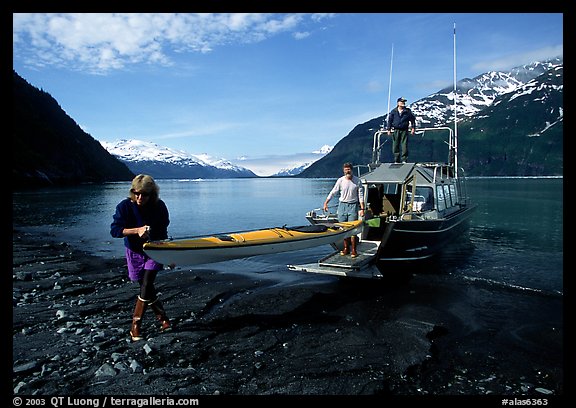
(147, 289)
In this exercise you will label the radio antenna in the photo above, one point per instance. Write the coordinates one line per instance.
(390, 83)
(454, 144)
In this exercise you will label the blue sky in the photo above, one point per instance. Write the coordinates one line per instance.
(260, 86)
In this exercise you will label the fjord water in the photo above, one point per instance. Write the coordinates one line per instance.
(515, 237)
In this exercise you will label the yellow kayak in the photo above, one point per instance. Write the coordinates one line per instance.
(226, 246)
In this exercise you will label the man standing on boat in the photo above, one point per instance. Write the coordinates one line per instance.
(351, 202)
(400, 118)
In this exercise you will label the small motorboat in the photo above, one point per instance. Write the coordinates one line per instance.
(414, 210)
(233, 245)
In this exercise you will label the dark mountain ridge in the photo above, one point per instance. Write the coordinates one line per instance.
(49, 148)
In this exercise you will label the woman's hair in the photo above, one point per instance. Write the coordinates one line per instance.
(146, 184)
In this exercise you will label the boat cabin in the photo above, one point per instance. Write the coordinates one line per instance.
(410, 191)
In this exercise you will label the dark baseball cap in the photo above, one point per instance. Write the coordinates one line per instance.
(401, 99)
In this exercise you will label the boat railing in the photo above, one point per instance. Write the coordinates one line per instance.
(449, 129)
(362, 169)
(451, 146)
(377, 146)
(445, 170)
(463, 197)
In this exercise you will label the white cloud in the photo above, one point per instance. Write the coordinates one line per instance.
(515, 60)
(300, 35)
(208, 130)
(269, 165)
(100, 42)
(374, 86)
(322, 16)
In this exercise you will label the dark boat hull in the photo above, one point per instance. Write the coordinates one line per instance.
(421, 239)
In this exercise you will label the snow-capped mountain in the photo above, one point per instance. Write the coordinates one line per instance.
(316, 155)
(474, 95)
(521, 133)
(510, 123)
(164, 162)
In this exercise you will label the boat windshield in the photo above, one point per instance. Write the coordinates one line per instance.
(423, 199)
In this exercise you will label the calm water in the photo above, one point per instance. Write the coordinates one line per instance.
(515, 239)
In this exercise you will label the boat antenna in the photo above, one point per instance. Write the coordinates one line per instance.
(454, 143)
(376, 147)
(389, 84)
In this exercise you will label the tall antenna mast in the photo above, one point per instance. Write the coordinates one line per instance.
(376, 147)
(455, 141)
(390, 82)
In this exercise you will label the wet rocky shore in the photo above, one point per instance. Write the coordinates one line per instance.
(242, 335)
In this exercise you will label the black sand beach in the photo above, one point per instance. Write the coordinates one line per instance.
(238, 335)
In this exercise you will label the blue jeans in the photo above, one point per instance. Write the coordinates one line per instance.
(348, 211)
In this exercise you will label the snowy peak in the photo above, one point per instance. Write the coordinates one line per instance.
(142, 157)
(545, 84)
(295, 170)
(220, 163)
(323, 150)
(164, 162)
(138, 150)
(476, 94)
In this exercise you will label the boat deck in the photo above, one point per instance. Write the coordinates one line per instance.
(336, 264)
(366, 252)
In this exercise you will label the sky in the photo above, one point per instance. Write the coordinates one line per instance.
(261, 90)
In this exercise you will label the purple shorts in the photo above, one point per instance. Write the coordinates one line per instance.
(137, 263)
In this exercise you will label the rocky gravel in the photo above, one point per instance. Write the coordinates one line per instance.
(240, 335)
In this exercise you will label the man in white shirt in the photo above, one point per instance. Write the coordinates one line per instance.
(351, 204)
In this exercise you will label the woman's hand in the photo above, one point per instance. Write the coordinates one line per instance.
(144, 232)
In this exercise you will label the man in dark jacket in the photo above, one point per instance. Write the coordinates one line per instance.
(400, 118)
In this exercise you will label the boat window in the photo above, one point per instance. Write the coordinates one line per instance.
(427, 195)
(423, 200)
(453, 194)
(390, 188)
(440, 197)
(447, 197)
